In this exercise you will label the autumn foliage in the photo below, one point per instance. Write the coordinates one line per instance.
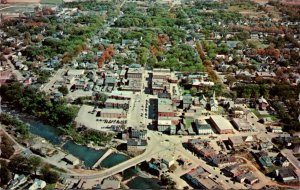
(107, 54)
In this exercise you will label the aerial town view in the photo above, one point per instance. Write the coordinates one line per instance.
(149, 94)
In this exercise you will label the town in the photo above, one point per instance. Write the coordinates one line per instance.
(150, 94)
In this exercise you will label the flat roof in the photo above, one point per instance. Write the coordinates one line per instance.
(221, 122)
(75, 72)
(111, 110)
(115, 101)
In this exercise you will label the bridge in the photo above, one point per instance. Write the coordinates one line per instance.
(105, 155)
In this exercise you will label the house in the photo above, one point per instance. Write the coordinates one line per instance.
(203, 127)
(168, 160)
(72, 159)
(111, 183)
(281, 160)
(37, 184)
(222, 125)
(263, 159)
(136, 145)
(17, 181)
(202, 101)
(262, 103)
(275, 129)
(286, 175)
(113, 113)
(241, 142)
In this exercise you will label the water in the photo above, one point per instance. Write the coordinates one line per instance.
(113, 159)
(84, 153)
(88, 155)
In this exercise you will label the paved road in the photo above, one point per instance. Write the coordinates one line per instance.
(58, 75)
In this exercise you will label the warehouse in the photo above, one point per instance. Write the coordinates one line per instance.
(222, 125)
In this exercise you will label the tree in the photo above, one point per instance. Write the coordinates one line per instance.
(230, 80)
(19, 164)
(63, 89)
(5, 176)
(6, 148)
(35, 163)
(49, 175)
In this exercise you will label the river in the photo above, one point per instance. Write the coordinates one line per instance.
(88, 155)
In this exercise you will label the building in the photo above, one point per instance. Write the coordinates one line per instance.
(222, 160)
(17, 181)
(140, 134)
(187, 101)
(135, 73)
(203, 127)
(110, 81)
(199, 179)
(165, 108)
(37, 184)
(113, 113)
(159, 73)
(114, 103)
(111, 183)
(75, 73)
(168, 160)
(286, 175)
(121, 95)
(136, 145)
(222, 125)
(262, 103)
(241, 142)
(213, 103)
(72, 159)
(242, 125)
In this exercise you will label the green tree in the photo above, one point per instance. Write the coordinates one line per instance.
(6, 175)
(35, 163)
(49, 175)
(63, 89)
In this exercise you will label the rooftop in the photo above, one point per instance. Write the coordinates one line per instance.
(221, 122)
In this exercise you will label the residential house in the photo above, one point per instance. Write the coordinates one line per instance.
(262, 103)
(37, 184)
(286, 175)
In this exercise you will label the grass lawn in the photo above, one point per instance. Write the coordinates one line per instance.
(188, 122)
(260, 116)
